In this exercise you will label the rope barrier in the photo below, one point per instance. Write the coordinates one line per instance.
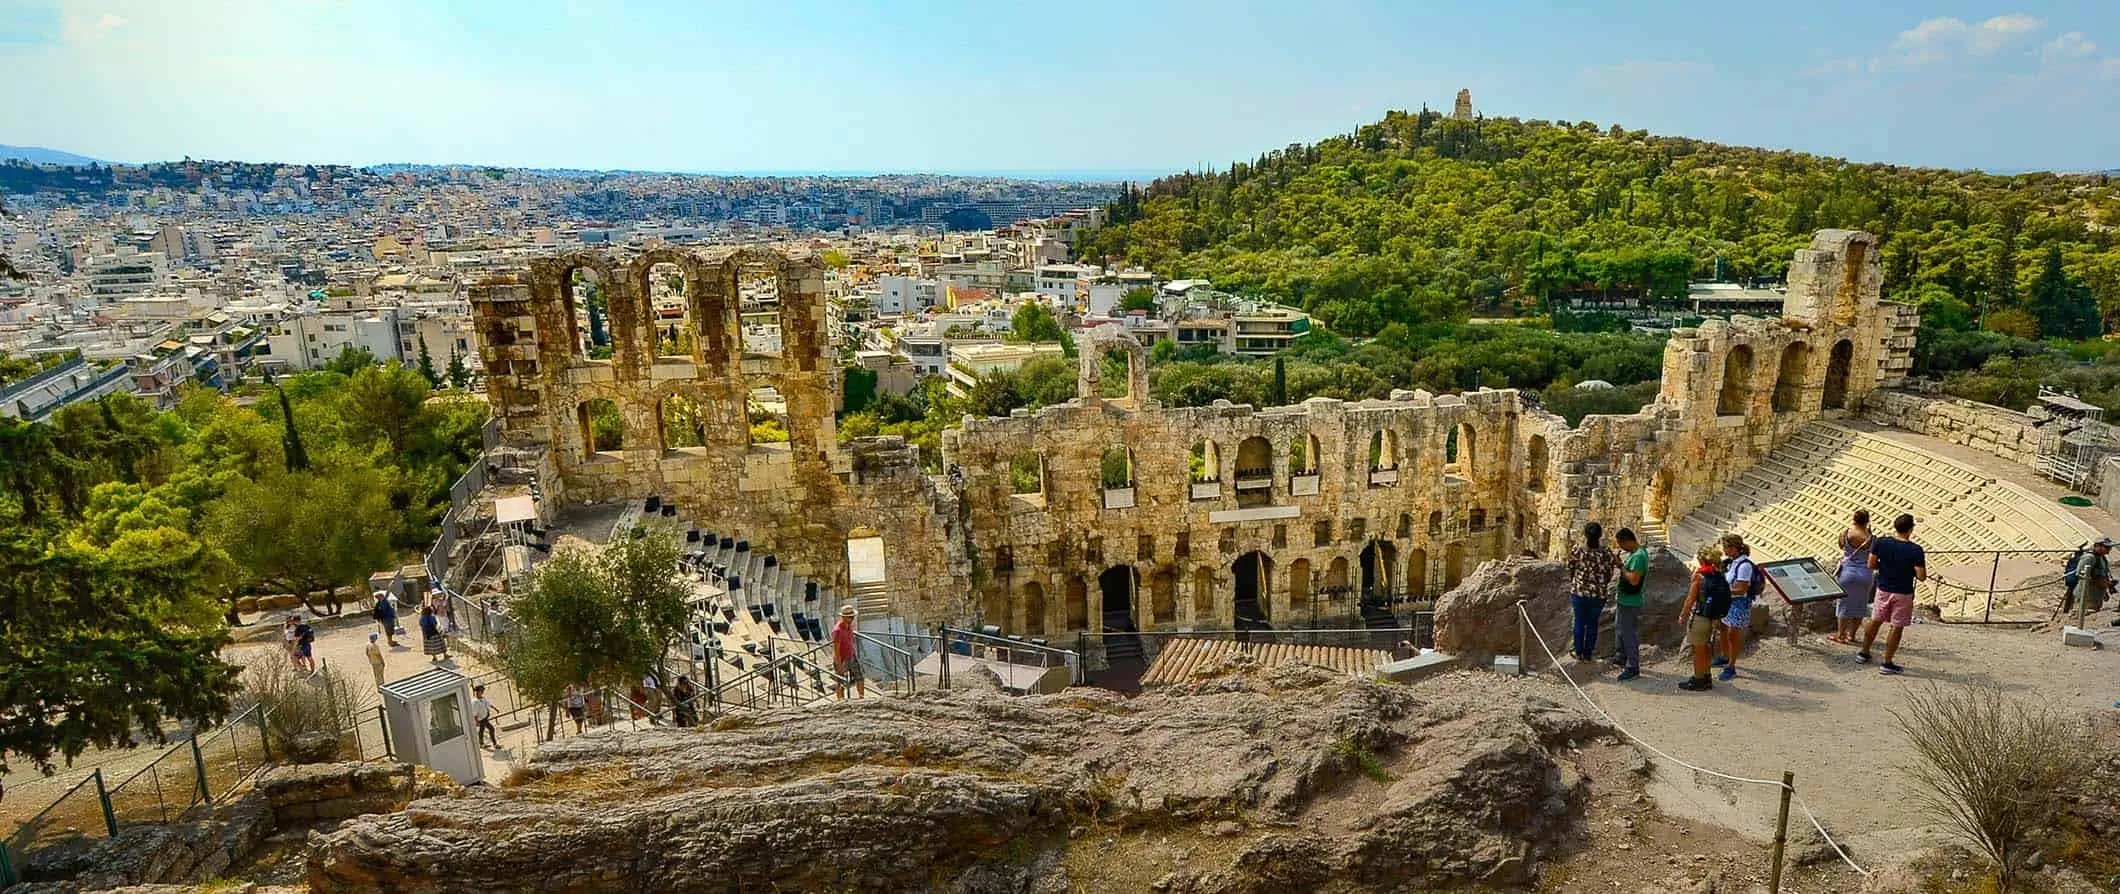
(1525, 615)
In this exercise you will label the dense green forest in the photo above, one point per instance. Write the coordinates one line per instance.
(126, 533)
(1419, 219)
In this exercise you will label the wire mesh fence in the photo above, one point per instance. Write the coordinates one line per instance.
(75, 815)
(161, 791)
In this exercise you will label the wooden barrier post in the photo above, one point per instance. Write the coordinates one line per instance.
(1781, 831)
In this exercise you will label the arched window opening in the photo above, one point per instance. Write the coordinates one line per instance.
(1460, 449)
(603, 429)
(668, 309)
(1535, 463)
(1116, 380)
(1435, 523)
(1203, 470)
(1299, 585)
(1303, 466)
(588, 314)
(1417, 574)
(1790, 380)
(1405, 525)
(1026, 475)
(1254, 472)
(1736, 393)
(1336, 586)
(1203, 596)
(1163, 597)
(1077, 604)
(766, 416)
(1837, 365)
(1383, 458)
(1115, 472)
(683, 422)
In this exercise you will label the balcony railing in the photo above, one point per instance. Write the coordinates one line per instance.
(1206, 490)
(1119, 497)
(1383, 477)
(1303, 485)
(1254, 479)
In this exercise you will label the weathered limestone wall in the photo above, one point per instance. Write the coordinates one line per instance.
(1983, 427)
(2109, 484)
(1296, 513)
(800, 499)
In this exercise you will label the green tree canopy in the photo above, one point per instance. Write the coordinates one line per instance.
(602, 617)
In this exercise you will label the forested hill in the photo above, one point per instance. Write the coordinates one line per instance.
(1420, 218)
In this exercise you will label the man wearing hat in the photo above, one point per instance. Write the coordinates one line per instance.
(843, 661)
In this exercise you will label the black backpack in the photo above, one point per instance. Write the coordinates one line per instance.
(1714, 600)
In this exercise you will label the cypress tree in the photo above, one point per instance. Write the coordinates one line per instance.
(291, 440)
(1280, 381)
(434, 379)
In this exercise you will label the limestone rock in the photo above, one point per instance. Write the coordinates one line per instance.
(976, 791)
(1478, 620)
(313, 748)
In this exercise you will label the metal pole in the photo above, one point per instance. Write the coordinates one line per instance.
(110, 817)
(1523, 639)
(1993, 570)
(1781, 830)
(198, 762)
(264, 740)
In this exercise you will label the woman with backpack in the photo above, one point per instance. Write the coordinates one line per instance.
(1707, 601)
(1743, 577)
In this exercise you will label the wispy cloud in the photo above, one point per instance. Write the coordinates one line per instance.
(1940, 40)
(2067, 47)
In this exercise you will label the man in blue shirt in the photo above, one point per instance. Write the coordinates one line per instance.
(1899, 562)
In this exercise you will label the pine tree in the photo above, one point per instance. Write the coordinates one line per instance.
(291, 439)
(459, 375)
(2065, 306)
(434, 379)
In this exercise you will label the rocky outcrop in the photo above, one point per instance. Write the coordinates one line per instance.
(194, 850)
(1306, 774)
(1478, 620)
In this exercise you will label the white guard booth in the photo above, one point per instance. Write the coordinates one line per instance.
(430, 723)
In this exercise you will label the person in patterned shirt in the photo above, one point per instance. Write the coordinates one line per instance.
(1589, 578)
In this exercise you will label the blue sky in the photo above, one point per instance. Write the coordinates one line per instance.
(1081, 85)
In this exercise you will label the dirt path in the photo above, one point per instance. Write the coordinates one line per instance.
(1811, 709)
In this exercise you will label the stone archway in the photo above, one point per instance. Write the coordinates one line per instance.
(1376, 583)
(1838, 364)
(1117, 589)
(1656, 501)
(1253, 572)
(1077, 599)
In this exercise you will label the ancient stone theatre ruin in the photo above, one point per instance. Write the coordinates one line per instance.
(1120, 513)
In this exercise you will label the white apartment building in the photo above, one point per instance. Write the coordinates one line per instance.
(903, 295)
(114, 278)
(307, 339)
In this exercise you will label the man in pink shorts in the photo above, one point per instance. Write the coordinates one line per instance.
(1899, 562)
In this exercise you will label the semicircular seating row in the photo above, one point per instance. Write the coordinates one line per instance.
(1797, 499)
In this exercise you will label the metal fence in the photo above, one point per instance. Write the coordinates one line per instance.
(200, 770)
(1967, 586)
(82, 812)
(461, 493)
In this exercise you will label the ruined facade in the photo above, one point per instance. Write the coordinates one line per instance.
(1114, 512)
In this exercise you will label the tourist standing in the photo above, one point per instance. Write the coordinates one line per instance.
(2095, 579)
(431, 641)
(1589, 574)
(1707, 601)
(375, 659)
(482, 714)
(1899, 562)
(844, 662)
(577, 706)
(1743, 577)
(1857, 582)
(682, 693)
(290, 638)
(1627, 603)
(385, 615)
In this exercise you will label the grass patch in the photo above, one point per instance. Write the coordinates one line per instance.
(1364, 761)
